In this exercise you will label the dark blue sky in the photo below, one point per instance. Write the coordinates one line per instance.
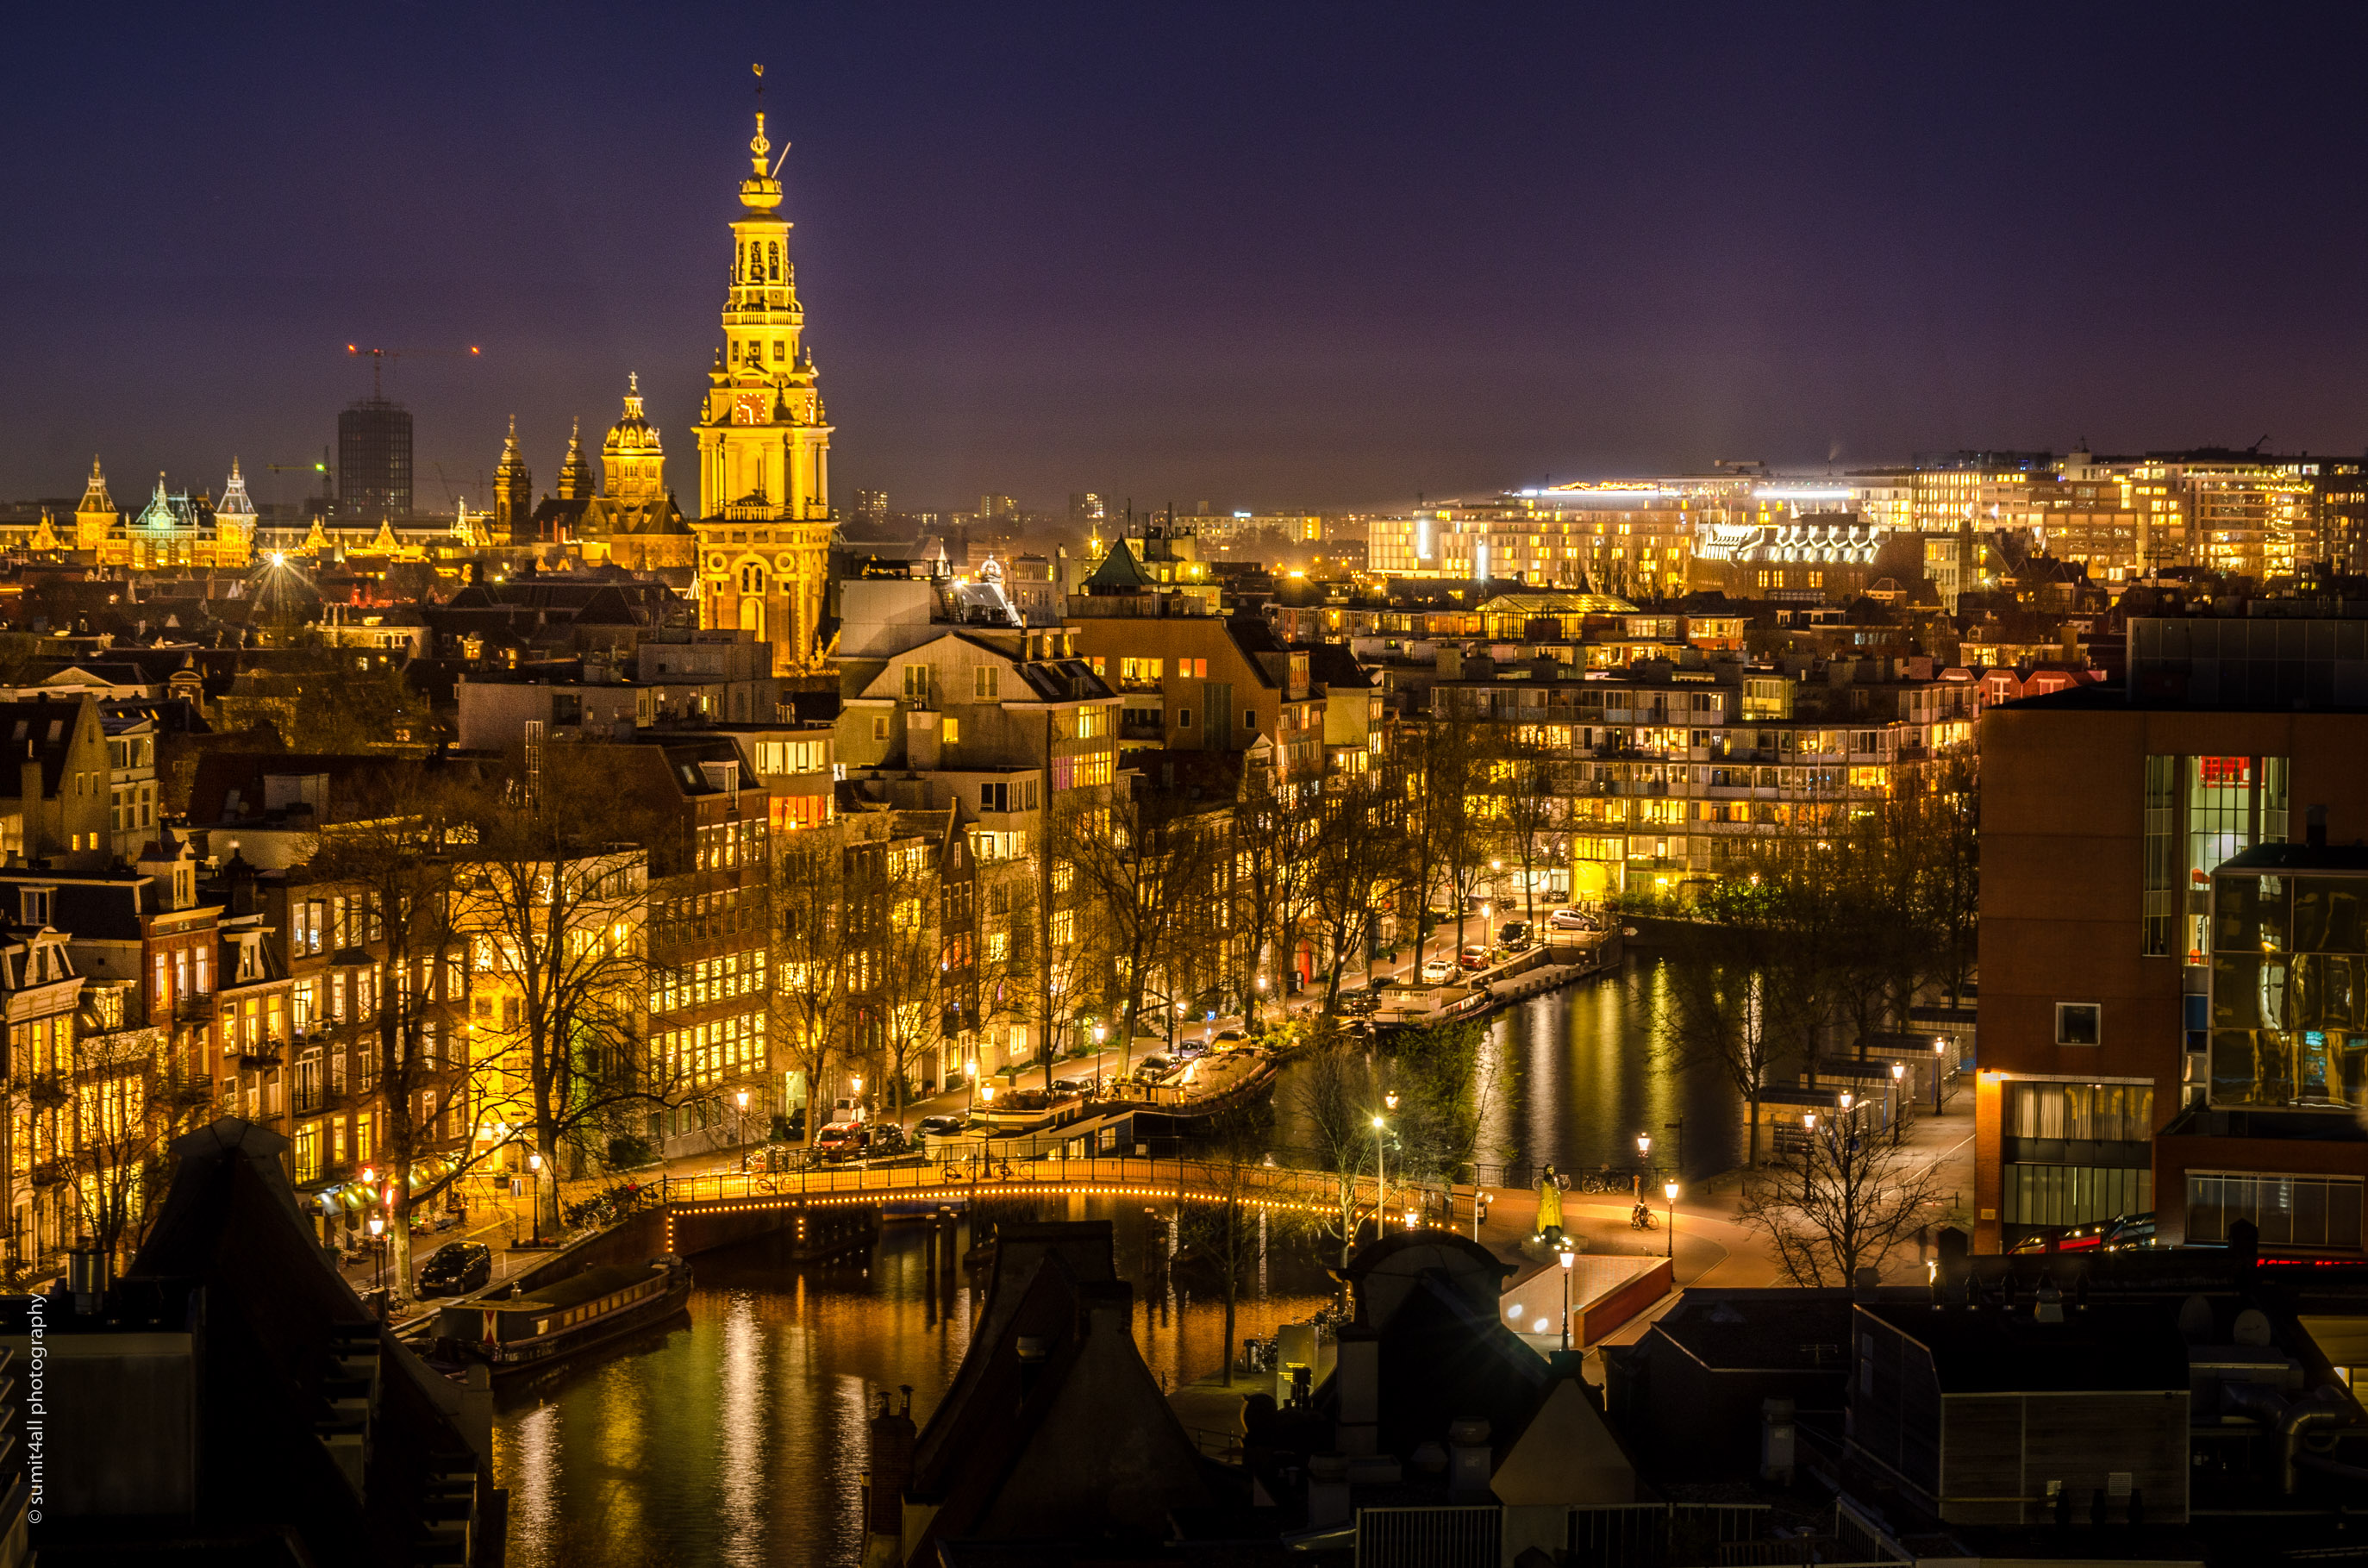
(1266, 255)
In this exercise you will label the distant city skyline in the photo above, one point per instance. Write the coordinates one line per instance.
(1267, 262)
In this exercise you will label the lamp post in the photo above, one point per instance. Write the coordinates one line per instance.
(534, 1197)
(1569, 1261)
(1380, 1175)
(1099, 1034)
(740, 1099)
(856, 1079)
(1899, 1098)
(378, 1233)
(1940, 1055)
(1669, 1190)
(1808, 1150)
(1644, 1160)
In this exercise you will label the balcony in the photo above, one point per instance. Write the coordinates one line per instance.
(194, 1008)
(263, 1054)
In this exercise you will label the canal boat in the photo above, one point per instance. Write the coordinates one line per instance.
(512, 1331)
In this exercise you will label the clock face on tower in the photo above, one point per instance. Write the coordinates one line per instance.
(749, 408)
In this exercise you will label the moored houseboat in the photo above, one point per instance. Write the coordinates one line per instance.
(514, 1332)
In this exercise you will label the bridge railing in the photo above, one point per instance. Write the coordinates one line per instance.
(1106, 1176)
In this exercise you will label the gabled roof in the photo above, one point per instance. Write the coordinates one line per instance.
(1120, 571)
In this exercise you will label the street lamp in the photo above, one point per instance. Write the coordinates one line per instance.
(1099, 1034)
(378, 1231)
(1669, 1190)
(973, 1073)
(857, 1079)
(1381, 1175)
(1569, 1261)
(534, 1171)
(1940, 1052)
(1899, 1098)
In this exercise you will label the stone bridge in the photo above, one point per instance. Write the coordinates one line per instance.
(689, 1199)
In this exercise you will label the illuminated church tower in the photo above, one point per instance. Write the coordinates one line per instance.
(764, 444)
(94, 519)
(632, 460)
(513, 494)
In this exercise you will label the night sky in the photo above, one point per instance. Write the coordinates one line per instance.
(1266, 256)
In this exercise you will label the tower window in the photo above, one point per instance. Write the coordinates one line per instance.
(780, 350)
(773, 261)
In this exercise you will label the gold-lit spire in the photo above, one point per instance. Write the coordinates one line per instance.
(760, 192)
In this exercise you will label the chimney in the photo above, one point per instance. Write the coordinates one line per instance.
(1777, 1430)
(1032, 1353)
(1468, 1459)
(892, 1466)
(1356, 1383)
(1327, 1490)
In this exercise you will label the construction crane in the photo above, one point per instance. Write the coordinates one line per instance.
(379, 357)
(320, 468)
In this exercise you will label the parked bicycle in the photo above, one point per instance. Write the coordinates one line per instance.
(1641, 1218)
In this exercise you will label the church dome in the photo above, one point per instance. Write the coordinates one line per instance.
(633, 436)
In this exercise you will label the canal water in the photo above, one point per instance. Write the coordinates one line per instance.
(736, 1436)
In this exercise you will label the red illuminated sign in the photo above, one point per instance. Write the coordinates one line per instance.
(2226, 772)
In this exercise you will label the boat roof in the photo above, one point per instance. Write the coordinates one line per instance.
(578, 1288)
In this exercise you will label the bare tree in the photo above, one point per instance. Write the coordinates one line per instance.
(130, 1103)
(551, 900)
(1724, 990)
(819, 959)
(1226, 1235)
(404, 1017)
(1524, 811)
(905, 996)
(1448, 1076)
(1441, 766)
(1332, 1100)
(1271, 878)
(1844, 1200)
(1148, 880)
(1356, 856)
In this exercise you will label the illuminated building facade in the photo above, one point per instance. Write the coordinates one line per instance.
(1662, 774)
(172, 530)
(2127, 1065)
(764, 521)
(1631, 541)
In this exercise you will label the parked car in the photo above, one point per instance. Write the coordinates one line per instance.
(941, 1126)
(1152, 1068)
(1356, 1003)
(1191, 1049)
(457, 1268)
(1437, 971)
(838, 1140)
(1224, 1035)
(1572, 918)
(1072, 1085)
(1475, 955)
(1514, 936)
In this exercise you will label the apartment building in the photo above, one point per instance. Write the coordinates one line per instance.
(952, 703)
(2107, 815)
(1634, 541)
(1669, 770)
